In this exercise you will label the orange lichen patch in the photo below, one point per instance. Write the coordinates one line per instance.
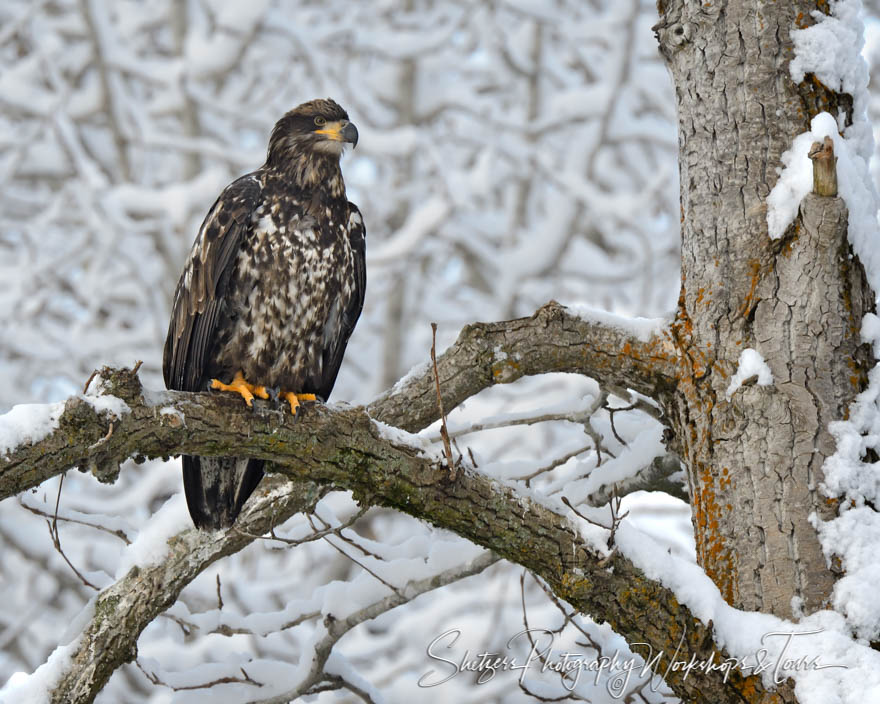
(718, 368)
(712, 553)
(792, 235)
(816, 97)
(505, 370)
(659, 349)
(755, 266)
(749, 688)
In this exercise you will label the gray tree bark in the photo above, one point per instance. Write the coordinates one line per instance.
(344, 448)
(755, 461)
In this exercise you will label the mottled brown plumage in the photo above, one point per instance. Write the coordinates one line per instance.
(273, 287)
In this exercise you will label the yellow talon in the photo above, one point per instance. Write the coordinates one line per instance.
(242, 387)
(294, 399)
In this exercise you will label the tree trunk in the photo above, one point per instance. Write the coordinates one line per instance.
(755, 459)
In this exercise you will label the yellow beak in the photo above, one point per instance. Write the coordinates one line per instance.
(340, 131)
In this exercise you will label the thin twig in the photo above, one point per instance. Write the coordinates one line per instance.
(338, 531)
(362, 566)
(616, 518)
(89, 380)
(444, 431)
(335, 682)
(559, 461)
(316, 535)
(611, 412)
(103, 439)
(578, 417)
(56, 537)
(225, 630)
(155, 679)
(39, 512)
(534, 648)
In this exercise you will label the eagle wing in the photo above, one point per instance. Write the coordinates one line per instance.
(215, 487)
(198, 301)
(344, 315)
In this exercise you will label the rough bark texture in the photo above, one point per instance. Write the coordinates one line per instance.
(344, 448)
(755, 460)
(551, 340)
(123, 610)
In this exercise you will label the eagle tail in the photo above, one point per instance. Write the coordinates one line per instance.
(217, 487)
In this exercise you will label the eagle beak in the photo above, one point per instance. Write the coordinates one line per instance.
(350, 134)
(340, 131)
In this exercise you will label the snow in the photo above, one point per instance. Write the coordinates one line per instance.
(831, 50)
(643, 329)
(419, 225)
(106, 403)
(841, 670)
(38, 686)
(853, 537)
(751, 364)
(855, 533)
(173, 412)
(574, 408)
(397, 436)
(854, 184)
(496, 209)
(645, 445)
(151, 545)
(28, 423)
(216, 53)
(177, 200)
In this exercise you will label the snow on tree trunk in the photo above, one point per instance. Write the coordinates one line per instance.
(755, 459)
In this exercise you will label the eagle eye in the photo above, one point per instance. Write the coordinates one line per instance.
(320, 121)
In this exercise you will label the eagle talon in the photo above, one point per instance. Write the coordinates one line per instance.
(295, 400)
(242, 387)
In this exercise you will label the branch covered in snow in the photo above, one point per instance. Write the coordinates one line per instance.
(622, 354)
(344, 447)
(97, 434)
(123, 610)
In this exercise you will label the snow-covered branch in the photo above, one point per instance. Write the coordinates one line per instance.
(621, 353)
(344, 447)
(98, 432)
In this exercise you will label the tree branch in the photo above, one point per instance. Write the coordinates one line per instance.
(552, 340)
(126, 608)
(345, 448)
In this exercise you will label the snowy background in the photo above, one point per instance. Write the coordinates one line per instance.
(510, 152)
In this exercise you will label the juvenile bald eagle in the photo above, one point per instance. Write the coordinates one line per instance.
(270, 294)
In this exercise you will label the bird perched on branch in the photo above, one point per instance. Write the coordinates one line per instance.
(270, 294)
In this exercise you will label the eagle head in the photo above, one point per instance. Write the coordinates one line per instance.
(316, 128)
